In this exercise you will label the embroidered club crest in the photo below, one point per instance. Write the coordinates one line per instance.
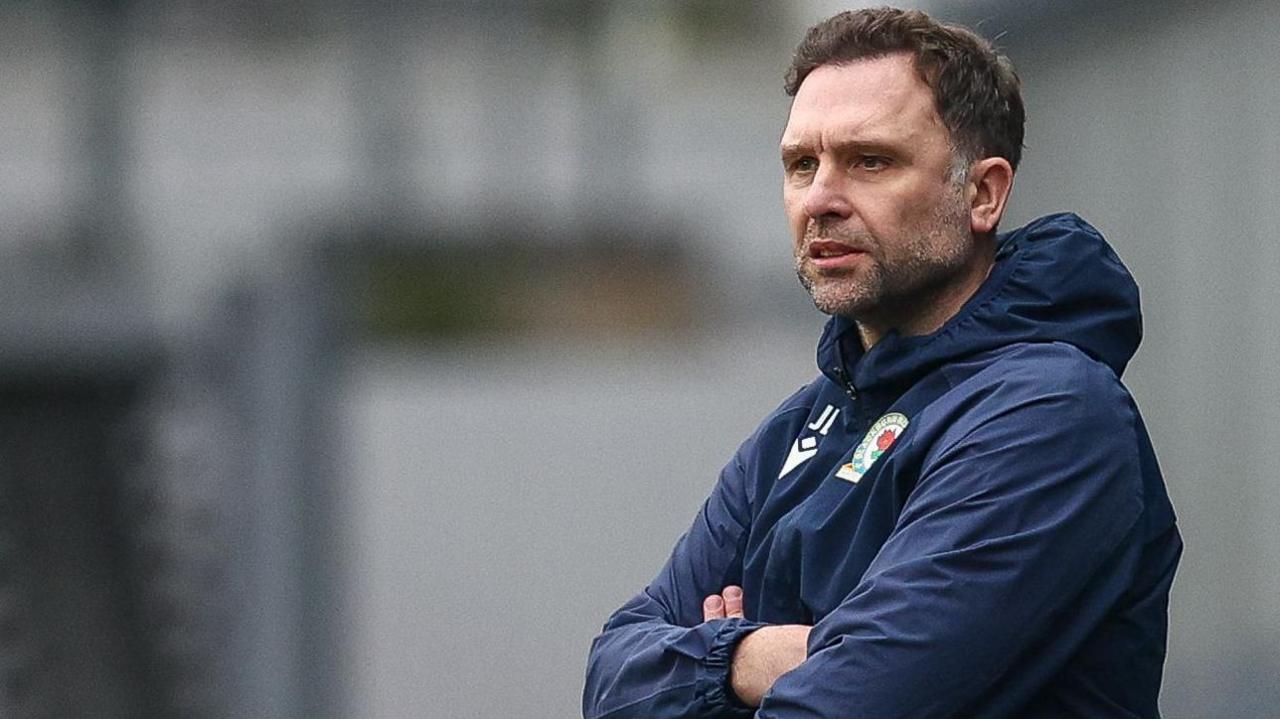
(877, 441)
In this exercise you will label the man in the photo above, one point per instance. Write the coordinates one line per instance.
(962, 516)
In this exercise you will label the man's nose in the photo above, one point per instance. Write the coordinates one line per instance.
(827, 196)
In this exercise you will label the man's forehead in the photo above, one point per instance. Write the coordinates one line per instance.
(878, 95)
(891, 73)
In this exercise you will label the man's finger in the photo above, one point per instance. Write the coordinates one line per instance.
(713, 608)
(733, 601)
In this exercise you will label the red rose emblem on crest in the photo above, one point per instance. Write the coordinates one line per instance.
(884, 440)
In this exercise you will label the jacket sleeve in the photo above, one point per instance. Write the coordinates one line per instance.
(656, 658)
(996, 558)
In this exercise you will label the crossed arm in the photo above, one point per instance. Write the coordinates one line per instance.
(761, 656)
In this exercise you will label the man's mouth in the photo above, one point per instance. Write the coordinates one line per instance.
(828, 255)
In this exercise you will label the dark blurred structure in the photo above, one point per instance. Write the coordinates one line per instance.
(165, 519)
(77, 567)
(165, 543)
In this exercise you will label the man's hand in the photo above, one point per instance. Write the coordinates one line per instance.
(763, 655)
(728, 603)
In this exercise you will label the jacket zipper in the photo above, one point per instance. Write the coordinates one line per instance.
(846, 384)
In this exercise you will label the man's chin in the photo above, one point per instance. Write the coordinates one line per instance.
(840, 305)
(844, 296)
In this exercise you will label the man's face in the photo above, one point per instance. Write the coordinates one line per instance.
(879, 224)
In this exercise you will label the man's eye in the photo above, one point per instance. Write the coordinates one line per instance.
(872, 162)
(804, 164)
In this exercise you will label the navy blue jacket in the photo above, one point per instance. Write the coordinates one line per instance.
(972, 521)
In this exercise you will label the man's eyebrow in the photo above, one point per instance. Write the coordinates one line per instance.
(872, 144)
(792, 148)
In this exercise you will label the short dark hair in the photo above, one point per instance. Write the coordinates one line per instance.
(975, 89)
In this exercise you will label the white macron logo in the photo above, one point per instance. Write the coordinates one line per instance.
(805, 447)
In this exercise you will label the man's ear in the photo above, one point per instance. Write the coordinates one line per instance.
(990, 181)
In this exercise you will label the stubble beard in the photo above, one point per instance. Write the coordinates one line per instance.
(927, 257)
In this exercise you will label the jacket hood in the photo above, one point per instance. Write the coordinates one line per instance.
(1054, 280)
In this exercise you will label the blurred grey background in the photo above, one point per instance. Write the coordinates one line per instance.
(358, 358)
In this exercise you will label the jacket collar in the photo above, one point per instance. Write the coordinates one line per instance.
(1054, 280)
